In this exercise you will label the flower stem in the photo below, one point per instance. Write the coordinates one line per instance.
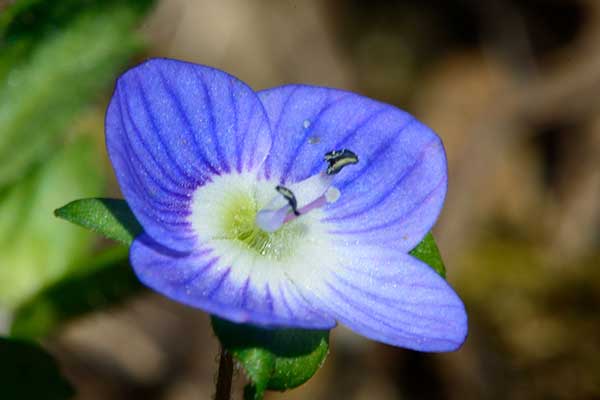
(223, 389)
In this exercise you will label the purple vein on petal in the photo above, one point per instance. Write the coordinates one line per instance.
(389, 190)
(141, 162)
(254, 144)
(367, 313)
(409, 286)
(236, 133)
(126, 154)
(182, 114)
(156, 130)
(125, 108)
(143, 143)
(397, 220)
(351, 132)
(297, 296)
(132, 153)
(269, 298)
(213, 124)
(277, 126)
(216, 288)
(389, 302)
(367, 167)
(203, 270)
(163, 208)
(244, 293)
(307, 132)
(285, 303)
(361, 124)
(412, 285)
(159, 206)
(377, 317)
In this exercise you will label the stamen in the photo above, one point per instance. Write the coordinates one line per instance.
(338, 159)
(290, 197)
(305, 196)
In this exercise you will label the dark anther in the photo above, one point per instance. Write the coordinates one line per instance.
(290, 197)
(338, 159)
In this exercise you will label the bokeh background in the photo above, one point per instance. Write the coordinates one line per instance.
(512, 87)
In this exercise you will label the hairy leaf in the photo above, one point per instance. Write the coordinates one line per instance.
(428, 252)
(274, 359)
(110, 217)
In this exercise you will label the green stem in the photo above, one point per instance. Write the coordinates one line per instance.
(251, 392)
(223, 390)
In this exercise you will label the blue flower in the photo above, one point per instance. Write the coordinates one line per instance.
(294, 206)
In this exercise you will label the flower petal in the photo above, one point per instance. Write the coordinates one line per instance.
(396, 191)
(170, 127)
(205, 280)
(394, 298)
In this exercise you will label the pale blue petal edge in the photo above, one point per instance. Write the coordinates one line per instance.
(393, 298)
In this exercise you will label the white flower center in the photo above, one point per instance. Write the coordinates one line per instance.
(225, 216)
(265, 231)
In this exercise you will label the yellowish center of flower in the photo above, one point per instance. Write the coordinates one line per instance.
(224, 217)
(239, 225)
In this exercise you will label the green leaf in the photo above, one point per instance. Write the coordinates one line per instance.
(28, 372)
(259, 365)
(48, 75)
(274, 359)
(428, 252)
(105, 280)
(110, 217)
(35, 250)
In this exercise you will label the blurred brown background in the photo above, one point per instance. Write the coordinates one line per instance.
(513, 89)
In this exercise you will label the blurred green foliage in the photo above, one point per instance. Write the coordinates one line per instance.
(56, 59)
(537, 324)
(34, 249)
